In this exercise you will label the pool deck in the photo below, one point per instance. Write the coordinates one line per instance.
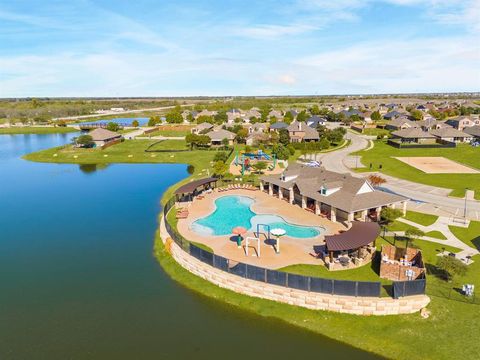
(292, 250)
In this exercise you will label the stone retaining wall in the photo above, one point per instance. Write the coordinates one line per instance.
(310, 300)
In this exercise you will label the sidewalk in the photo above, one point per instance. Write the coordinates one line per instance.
(441, 225)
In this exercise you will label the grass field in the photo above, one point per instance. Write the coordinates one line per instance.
(37, 130)
(421, 218)
(470, 235)
(383, 154)
(168, 133)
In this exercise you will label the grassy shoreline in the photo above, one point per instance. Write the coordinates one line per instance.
(448, 333)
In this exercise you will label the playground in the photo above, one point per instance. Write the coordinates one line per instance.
(243, 164)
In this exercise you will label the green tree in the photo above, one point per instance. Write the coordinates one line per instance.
(451, 267)
(389, 215)
(205, 118)
(324, 144)
(376, 116)
(225, 143)
(221, 117)
(154, 120)
(302, 116)
(220, 168)
(417, 115)
(288, 118)
(315, 110)
(174, 117)
(284, 137)
(281, 152)
(336, 135)
(242, 135)
(259, 166)
(113, 126)
(84, 141)
(413, 234)
(135, 123)
(220, 156)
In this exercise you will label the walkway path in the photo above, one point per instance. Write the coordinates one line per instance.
(441, 225)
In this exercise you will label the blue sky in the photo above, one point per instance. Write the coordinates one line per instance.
(181, 48)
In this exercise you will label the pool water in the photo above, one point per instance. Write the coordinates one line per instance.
(232, 211)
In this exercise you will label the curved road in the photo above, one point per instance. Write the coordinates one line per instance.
(426, 198)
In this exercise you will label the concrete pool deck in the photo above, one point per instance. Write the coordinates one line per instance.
(292, 250)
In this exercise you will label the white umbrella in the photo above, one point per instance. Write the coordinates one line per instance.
(277, 232)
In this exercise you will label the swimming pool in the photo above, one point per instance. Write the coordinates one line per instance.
(234, 210)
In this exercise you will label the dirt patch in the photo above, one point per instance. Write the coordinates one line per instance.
(437, 165)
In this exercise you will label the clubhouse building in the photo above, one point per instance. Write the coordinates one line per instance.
(338, 197)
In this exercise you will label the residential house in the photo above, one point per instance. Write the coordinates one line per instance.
(201, 128)
(452, 135)
(217, 136)
(252, 113)
(315, 121)
(300, 131)
(432, 124)
(275, 114)
(392, 115)
(462, 122)
(474, 131)
(278, 126)
(414, 135)
(257, 127)
(102, 137)
(340, 197)
(401, 123)
(258, 137)
(206, 113)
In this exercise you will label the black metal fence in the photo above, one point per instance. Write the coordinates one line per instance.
(409, 288)
(294, 281)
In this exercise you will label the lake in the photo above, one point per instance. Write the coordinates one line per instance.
(79, 281)
(128, 121)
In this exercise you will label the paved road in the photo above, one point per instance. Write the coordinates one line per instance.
(428, 199)
(117, 113)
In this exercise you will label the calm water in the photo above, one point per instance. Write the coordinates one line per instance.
(78, 280)
(232, 211)
(141, 121)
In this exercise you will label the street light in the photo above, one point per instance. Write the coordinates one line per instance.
(465, 207)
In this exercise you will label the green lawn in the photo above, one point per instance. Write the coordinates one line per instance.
(382, 154)
(470, 235)
(436, 234)
(375, 132)
(421, 218)
(37, 130)
(172, 133)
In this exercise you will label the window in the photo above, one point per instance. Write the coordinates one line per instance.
(323, 191)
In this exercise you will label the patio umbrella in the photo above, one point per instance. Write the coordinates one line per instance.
(239, 230)
(277, 232)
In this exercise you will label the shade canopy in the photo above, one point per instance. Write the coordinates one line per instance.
(278, 232)
(360, 234)
(193, 185)
(239, 230)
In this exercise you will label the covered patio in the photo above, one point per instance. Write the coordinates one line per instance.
(188, 191)
(352, 248)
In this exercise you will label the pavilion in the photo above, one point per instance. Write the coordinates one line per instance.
(356, 245)
(188, 191)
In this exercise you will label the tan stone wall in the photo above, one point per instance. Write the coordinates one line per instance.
(310, 300)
